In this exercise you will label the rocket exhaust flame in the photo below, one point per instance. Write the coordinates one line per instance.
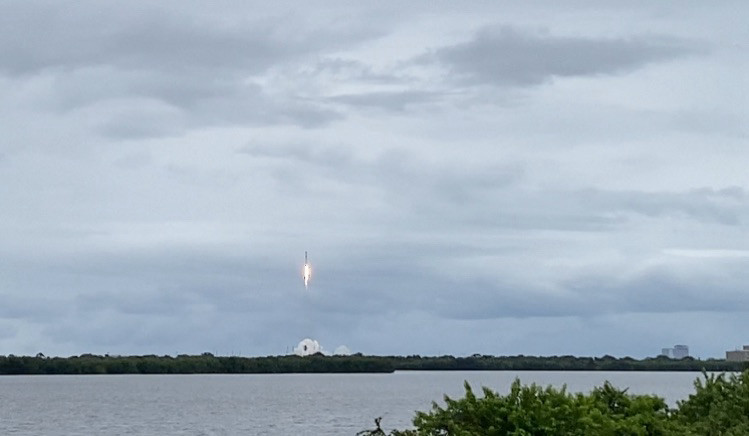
(307, 275)
(306, 272)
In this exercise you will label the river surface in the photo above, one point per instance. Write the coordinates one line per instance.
(306, 404)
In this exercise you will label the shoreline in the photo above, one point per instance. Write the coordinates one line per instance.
(206, 363)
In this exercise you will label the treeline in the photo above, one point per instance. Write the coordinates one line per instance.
(188, 364)
(718, 407)
(560, 363)
(207, 363)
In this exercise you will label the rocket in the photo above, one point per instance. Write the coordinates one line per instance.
(306, 272)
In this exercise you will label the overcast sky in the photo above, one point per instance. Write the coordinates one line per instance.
(489, 177)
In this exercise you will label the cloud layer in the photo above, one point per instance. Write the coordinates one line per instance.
(501, 179)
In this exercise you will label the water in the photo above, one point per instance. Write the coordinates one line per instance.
(306, 404)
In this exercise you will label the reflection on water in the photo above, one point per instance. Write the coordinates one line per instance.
(315, 404)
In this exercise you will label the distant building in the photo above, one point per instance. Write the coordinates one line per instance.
(677, 352)
(738, 355)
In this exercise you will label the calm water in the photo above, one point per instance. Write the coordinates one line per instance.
(266, 404)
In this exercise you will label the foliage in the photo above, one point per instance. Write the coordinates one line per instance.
(208, 363)
(533, 410)
(560, 363)
(185, 364)
(719, 406)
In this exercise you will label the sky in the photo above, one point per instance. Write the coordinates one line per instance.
(500, 178)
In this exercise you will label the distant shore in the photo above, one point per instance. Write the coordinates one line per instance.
(207, 363)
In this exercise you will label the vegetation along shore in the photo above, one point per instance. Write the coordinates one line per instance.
(207, 363)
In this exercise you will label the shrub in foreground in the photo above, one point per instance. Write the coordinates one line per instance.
(719, 406)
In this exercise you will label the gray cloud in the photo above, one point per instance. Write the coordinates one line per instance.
(186, 69)
(506, 56)
(728, 206)
(663, 288)
(406, 179)
(391, 101)
(436, 189)
(154, 38)
(336, 68)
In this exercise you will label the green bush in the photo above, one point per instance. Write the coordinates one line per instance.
(719, 406)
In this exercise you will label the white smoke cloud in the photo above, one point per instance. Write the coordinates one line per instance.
(307, 347)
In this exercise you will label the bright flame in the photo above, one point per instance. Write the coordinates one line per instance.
(306, 273)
